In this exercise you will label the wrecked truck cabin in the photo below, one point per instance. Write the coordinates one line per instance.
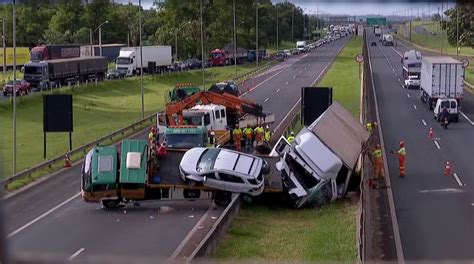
(318, 166)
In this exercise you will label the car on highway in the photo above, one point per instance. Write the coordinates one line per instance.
(452, 107)
(412, 81)
(22, 88)
(116, 74)
(194, 64)
(287, 52)
(224, 169)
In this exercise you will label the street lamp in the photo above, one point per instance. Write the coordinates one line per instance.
(14, 87)
(100, 38)
(256, 32)
(4, 49)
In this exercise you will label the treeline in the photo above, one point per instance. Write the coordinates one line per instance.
(70, 21)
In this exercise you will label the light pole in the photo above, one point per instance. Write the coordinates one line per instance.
(202, 49)
(276, 5)
(141, 56)
(4, 50)
(235, 41)
(304, 26)
(292, 23)
(14, 87)
(91, 32)
(256, 31)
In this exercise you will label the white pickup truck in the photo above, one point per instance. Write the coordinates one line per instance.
(317, 167)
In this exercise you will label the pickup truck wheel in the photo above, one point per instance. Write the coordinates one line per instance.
(111, 204)
(222, 198)
(191, 193)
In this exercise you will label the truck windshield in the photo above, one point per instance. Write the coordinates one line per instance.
(185, 141)
(33, 70)
(36, 56)
(216, 55)
(123, 60)
(193, 120)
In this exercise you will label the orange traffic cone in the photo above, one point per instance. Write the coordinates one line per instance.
(67, 161)
(430, 134)
(447, 169)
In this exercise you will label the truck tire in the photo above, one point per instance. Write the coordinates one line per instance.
(222, 198)
(191, 193)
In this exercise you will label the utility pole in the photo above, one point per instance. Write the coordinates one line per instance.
(202, 50)
(14, 87)
(90, 42)
(292, 23)
(457, 32)
(256, 31)
(276, 5)
(235, 41)
(4, 50)
(141, 56)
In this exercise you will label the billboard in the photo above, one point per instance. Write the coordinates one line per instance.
(376, 21)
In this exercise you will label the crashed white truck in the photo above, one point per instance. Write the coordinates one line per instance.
(317, 167)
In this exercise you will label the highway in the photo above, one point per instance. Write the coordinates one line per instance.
(50, 219)
(434, 212)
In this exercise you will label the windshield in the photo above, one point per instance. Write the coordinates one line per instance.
(192, 120)
(33, 70)
(185, 141)
(123, 60)
(216, 55)
(36, 56)
(207, 160)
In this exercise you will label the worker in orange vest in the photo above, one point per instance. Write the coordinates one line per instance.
(237, 136)
(259, 134)
(378, 166)
(248, 134)
(401, 152)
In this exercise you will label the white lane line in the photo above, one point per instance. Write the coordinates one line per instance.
(266, 80)
(437, 144)
(294, 76)
(73, 256)
(286, 83)
(447, 190)
(399, 54)
(424, 122)
(457, 179)
(399, 79)
(396, 74)
(43, 215)
(414, 106)
(402, 86)
(408, 95)
(299, 72)
(467, 118)
(393, 69)
(266, 100)
(278, 90)
(305, 68)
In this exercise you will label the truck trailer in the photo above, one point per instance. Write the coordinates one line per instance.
(441, 77)
(22, 56)
(110, 51)
(53, 52)
(53, 73)
(129, 59)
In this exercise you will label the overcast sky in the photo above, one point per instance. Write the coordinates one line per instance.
(345, 7)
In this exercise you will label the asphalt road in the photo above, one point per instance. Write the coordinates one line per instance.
(435, 212)
(50, 219)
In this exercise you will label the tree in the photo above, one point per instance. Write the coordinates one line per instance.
(436, 17)
(466, 30)
(68, 17)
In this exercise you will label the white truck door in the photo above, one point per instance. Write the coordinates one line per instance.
(161, 123)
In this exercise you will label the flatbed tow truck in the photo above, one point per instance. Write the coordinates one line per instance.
(114, 178)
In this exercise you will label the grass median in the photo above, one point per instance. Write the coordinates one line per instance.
(273, 233)
(98, 110)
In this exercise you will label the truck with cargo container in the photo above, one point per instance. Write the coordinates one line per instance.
(130, 59)
(441, 77)
(377, 31)
(53, 73)
(54, 52)
(318, 167)
(110, 51)
(22, 56)
(300, 45)
(226, 56)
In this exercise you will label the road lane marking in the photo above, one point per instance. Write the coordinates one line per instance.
(73, 256)
(266, 80)
(408, 95)
(402, 86)
(437, 144)
(399, 54)
(299, 72)
(399, 79)
(447, 190)
(414, 106)
(424, 122)
(43, 215)
(457, 179)
(278, 90)
(294, 76)
(286, 83)
(467, 118)
(266, 100)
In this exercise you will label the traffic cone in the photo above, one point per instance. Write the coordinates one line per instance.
(67, 161)
(447, 169)
(430, 133)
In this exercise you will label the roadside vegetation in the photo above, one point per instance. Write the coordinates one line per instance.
(98, 110)
(470, 74)
(271, 233)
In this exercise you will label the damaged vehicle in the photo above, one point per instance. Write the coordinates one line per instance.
(317, 167)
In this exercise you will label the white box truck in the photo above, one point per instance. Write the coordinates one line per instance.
(129, 59)
(441, 77)
(317, 167)
(300, 45)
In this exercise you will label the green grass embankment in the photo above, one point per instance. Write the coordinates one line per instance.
(273, 233)
(98, 110)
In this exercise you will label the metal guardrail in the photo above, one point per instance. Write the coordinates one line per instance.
(245, 76)
(471, 86)
(82, 149)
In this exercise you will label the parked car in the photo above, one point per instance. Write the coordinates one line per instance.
(194, 64)
(287, 53)
(225, 170)
(22, 88)
(116, 74)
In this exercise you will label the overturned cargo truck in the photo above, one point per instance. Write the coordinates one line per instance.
(317, 167)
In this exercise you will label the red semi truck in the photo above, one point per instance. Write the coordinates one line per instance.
(54, 52)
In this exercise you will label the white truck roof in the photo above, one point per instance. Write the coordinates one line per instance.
(207, 107)
(341, 133)
(441, 60)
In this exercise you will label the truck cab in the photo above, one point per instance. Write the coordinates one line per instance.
(412, 81)
(452, 107)
(387, 40)
(126, 61)
(185, 137)
(211, 116)
(37, 74)
(300, 45)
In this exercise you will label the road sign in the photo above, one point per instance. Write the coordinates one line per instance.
(359, 58)
(465, 62)
(376, 21)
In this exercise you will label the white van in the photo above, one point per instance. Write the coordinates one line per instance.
(450, 104)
